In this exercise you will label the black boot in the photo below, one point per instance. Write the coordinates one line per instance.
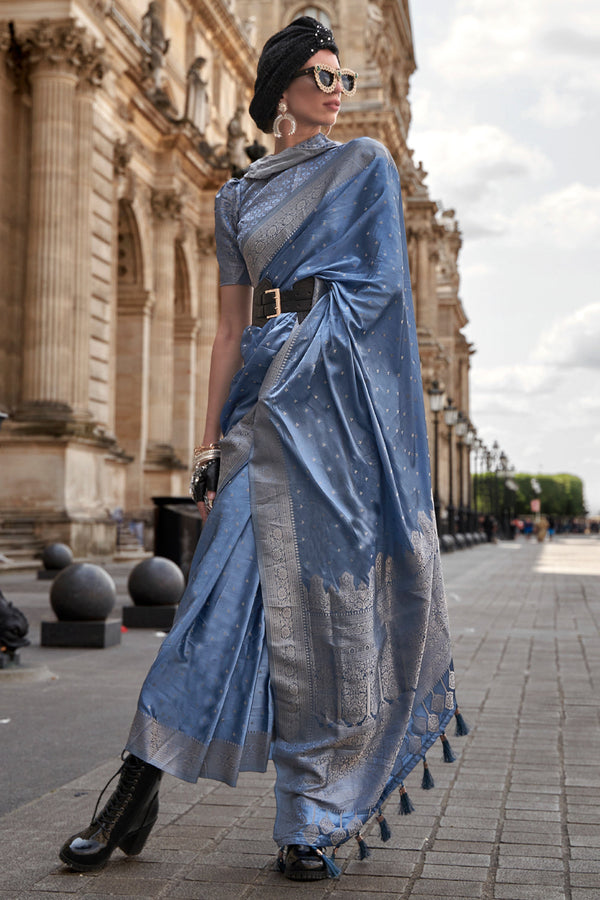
(125, 822)
(304, 863)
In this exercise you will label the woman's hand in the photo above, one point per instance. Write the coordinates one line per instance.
(204, 511)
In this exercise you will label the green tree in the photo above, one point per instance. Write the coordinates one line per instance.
(560, 495)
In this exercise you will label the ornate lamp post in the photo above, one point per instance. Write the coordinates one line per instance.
(450, 418)
(470, 438)
(476, 448)
(436, 403)
(494, 468)
(482, 454)
(488, 457)
(461, 428)
(504, 518)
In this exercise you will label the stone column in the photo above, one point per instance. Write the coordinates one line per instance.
(82, 244)
(184, 406)
(166, 206)
(132, 377)
(55, 53)
(208, 286)
(426, 284)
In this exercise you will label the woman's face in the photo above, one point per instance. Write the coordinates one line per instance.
(309, 105)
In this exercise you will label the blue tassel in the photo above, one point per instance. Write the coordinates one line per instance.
(363, 850)
(281, 859)
(384, 828)
(427, 782)
(406, 806)
(332, 870)
(462, 729)
(449, 756)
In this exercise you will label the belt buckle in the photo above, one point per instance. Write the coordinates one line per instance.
(277, 299)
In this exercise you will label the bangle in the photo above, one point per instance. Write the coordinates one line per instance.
(214, 446)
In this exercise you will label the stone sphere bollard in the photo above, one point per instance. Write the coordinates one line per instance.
(156, 581)
(82, 592)
(57, 556)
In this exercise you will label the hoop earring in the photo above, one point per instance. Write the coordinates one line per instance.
(284, 116)
(328, 132)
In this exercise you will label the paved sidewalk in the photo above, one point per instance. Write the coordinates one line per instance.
(514, 818)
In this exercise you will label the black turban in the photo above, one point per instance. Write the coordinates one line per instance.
(282, 56)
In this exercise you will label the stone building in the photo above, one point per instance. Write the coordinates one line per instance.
(120, 120)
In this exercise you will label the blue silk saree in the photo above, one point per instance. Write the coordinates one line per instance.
(314, 628)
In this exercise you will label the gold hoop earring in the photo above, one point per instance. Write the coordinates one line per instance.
(284, 116)
(328, 132)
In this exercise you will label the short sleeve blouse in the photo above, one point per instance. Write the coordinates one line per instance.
(232, 267)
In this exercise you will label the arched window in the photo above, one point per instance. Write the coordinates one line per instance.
(316, 12)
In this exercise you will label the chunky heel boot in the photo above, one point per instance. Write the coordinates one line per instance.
(125, 822)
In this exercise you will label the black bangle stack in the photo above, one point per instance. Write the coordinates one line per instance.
(205, 474)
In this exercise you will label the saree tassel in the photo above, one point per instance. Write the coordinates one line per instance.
(281, 859)
(384, 829)
(449, 756)
(462, 729)
(406, 806)
(427, 783)
(363, 850)
(332, 870)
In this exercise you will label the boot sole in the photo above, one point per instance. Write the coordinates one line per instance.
(79, 866)
(307, 876)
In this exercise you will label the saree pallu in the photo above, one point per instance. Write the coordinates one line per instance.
(314, 626)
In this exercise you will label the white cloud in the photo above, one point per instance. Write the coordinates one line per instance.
(571, 42)
(477, 269)
(524, 379)
(480, 155)
(496, 39)
(568, 217)
(557, 108)
(526, 50)
(473, 168)
(573, 342)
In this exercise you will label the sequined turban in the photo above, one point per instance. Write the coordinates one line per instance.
(281, 57)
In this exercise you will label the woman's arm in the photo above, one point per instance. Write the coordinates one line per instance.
(235, 315)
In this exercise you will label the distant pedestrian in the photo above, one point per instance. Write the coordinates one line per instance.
(541, 528)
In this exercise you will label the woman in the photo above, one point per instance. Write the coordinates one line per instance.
(313, 629)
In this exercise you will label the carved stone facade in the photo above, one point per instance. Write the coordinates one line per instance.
(125, 117)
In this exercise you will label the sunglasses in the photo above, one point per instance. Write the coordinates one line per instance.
(326, 77)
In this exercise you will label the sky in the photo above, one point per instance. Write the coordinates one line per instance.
(506, 119)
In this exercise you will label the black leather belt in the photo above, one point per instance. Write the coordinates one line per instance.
(268, 302)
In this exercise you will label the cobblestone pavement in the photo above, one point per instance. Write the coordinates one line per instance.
(514, 818)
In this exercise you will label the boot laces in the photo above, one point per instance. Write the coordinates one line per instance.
(129, 777)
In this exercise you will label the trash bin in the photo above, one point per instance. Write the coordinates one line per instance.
(177, 527)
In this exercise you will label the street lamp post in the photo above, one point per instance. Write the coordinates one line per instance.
(504, 519)
(450, 418)
(494, 466)
(436, 403)
(470, 439)
(462, 427)
(476, 447)
(481, 456)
